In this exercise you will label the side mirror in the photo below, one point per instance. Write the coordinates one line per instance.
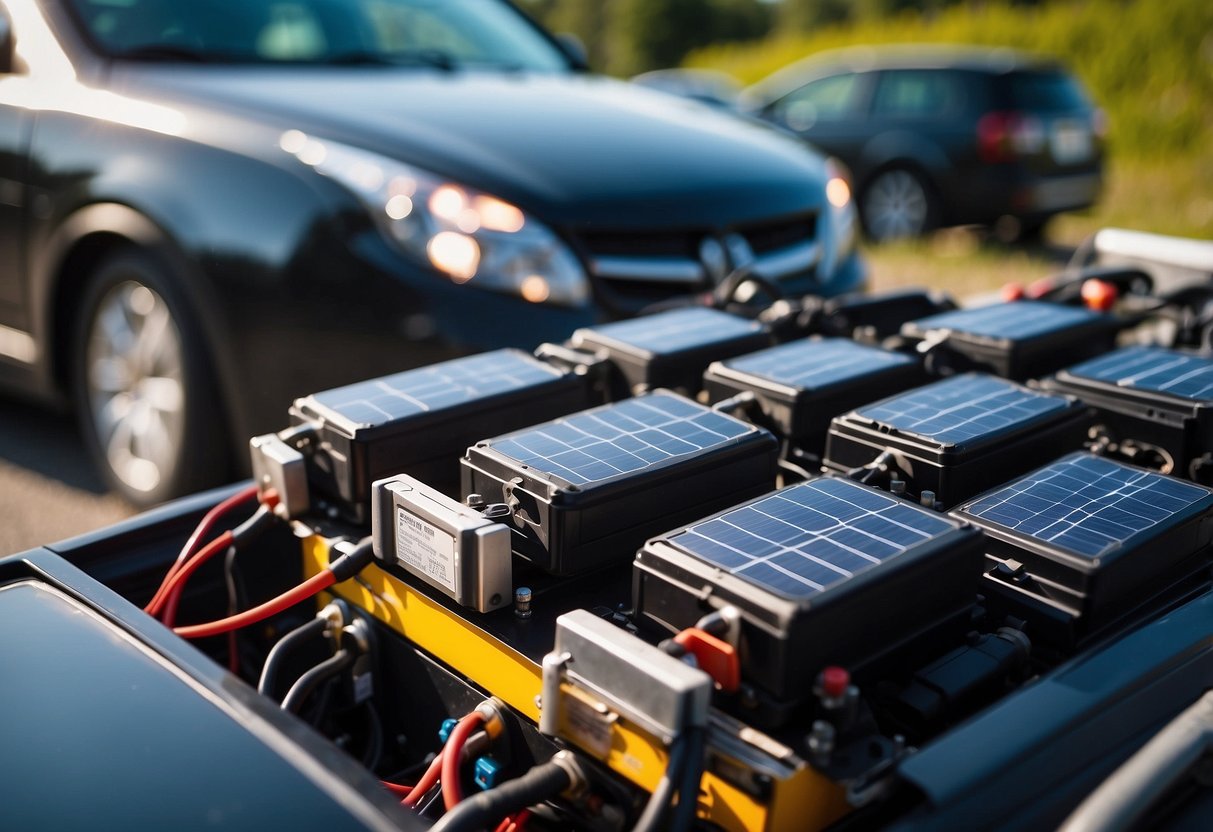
(574, 49)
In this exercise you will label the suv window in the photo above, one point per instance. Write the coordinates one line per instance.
(1046, 91)
(914, 93)
(824, 100)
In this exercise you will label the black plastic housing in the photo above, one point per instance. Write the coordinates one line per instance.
(565, 528)
(356, 444)
(875, 317)
(1020, 340)
(1092, 591)
(799, 405)
(786, 640)
(957, 470)
(671, 349)
(1180, 425)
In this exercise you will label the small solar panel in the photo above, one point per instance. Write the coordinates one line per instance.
(1020, 320)
(590, 488)
(1020, 340)
(419, 422)
(964, 408)
(1153, 369)
(620, 439)
(671, 349)
(827, 571)
(803, 539)
(436, 387)
(813, 364)
(673, 331)
(1088, 506)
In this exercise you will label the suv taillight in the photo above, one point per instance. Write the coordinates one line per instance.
(1005, 137)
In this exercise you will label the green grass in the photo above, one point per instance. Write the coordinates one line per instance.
(1165, 197)
(1149, 64)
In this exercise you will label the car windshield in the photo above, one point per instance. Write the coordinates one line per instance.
(442, 33)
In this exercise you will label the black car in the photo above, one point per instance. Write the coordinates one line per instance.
(937, 137)
(207, 209)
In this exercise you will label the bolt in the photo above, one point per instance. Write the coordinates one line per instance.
(522, 602)
(821, 741)
(897, 487)
(927, 498)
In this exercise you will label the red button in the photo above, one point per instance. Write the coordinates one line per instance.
(835, 681)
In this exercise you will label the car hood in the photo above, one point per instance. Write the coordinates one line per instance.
(576, 149)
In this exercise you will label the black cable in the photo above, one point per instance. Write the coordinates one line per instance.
(663, 795)
(285, 645)
(374, 745)
(486, 808)
(306, 685)
(235, 597)
(688, 785)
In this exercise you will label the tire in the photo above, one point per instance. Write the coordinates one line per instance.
(898, 204)
(142, 383)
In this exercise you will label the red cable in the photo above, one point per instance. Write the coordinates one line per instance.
(520, 821)
(452, 755)
(316, 583)
(505, 824)
(219, 544)
(397, 788)
(426, 782)
(203, 529)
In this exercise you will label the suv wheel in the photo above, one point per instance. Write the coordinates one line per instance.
(896, 204)
(141, 384)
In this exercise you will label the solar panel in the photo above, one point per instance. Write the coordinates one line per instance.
(621, 438)
(1088, 505)
(1019, 320)
(1152, 369)
(439, 386)
(811, 364)
(673, 331)
(808, 537)
(964, 408)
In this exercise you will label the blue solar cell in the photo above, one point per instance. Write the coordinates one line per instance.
(622, 438)
(1016, 321)
(1088, 505)
(1154, 369)
(435, 387)
(964, 408)
(801, 540)
(673, 331)
(813, 364)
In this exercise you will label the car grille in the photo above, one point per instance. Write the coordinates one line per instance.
(637, 268)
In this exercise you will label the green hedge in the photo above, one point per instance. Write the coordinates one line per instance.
(1149, 64)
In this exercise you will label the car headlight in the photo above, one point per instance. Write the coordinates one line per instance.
(842, 208)
(469, 236)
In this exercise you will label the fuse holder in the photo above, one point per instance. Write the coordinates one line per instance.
(715, 657)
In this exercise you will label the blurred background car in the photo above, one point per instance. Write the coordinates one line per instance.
(207, 209)
(938, 136)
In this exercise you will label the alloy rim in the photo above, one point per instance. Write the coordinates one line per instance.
(135, 385)
(895, 206)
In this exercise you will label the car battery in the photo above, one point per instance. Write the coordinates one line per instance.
(807, 567)
(1020, 340)
(800, 386)
(875, 317)
(419, 422)
(1092, 538)
(959, 436)
(671, 349)
(588, 489)
(1153, 398)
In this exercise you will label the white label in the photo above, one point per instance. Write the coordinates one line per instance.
(425, 549)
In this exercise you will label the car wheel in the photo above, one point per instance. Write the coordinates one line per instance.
(141, 383)
(897, 203)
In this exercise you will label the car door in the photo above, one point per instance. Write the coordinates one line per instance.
(828, 112)
(15, 123)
